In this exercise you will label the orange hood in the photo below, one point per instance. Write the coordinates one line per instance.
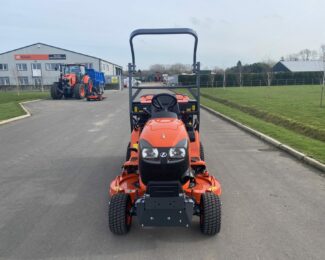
(164, 132)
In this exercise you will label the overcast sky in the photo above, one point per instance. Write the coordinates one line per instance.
(228, 30)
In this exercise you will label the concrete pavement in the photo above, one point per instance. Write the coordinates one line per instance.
(55, 168)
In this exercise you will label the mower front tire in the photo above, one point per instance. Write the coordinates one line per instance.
(55, 92)
(79, 91)
(119, 217)
(201, 151)
(210, 214)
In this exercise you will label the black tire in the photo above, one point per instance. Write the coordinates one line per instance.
(210, 214)
(119, 218)
(55, 93)
(128, 153)
(66, 95)
(79, 91)
(201, 151)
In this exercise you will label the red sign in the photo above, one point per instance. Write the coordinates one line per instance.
(40, 57)
(31, 57)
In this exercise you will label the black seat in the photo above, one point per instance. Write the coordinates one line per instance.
(163, 114)
(164, 105)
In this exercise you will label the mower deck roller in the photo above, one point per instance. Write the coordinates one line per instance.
(164, 181)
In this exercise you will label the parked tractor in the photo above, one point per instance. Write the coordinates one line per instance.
(73, 82)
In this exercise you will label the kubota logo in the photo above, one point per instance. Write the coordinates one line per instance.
(163, 154)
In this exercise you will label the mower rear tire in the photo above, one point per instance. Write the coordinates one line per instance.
(210, 214)
(128, 152)
(55, 92)
(201, 151)
(119, 217)
(79, 91)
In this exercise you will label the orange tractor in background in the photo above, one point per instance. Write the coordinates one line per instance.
(73, 82)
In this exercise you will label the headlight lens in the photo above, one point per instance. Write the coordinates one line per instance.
(177, 153)
(150, 153)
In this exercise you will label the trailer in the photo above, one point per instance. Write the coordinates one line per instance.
(95, 90)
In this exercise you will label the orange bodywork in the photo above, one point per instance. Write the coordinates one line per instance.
(163, 132)
(72, 78)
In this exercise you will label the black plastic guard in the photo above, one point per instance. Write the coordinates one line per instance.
(165, 211)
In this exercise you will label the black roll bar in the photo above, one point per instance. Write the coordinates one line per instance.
(132, 66)
(164, 31)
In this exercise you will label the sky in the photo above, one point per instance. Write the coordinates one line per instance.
(228, 30)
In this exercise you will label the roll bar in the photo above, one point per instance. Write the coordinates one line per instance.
(132, 66)
(164, 31)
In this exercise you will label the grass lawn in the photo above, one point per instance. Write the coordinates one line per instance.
(290, 114)
(299, 103)
(9, 102)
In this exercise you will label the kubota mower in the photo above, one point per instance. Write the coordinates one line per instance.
(73, 82)
(164, 181)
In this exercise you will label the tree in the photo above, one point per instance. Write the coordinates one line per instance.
(239, 67)
(157, 68)
(305, 54)
(322, 55)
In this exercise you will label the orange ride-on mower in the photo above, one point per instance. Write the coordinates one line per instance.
(73, 82)
(164, 181)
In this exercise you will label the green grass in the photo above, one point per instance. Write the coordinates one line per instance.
(9, 102)
(289, 114)
(298, 103)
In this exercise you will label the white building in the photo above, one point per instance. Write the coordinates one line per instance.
(37, 64)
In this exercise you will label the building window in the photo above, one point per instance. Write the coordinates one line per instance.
(37, 81)
(36, 66)
(23, 81)
(3, 66)
(21, 66)
(4, 81)
(89, 65)
(52, 66)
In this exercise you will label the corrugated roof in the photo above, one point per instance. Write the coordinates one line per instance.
(304, 66)
(60, 49)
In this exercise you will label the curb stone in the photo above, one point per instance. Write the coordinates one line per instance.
(28, 113)
(298, 155)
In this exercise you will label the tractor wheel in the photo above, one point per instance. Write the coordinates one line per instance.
(119, 217)
(66, 95)
(79, 91)
(128, 153)
(55, 93)
(210, 214)
(201, 151)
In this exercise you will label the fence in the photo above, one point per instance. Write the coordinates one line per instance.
(254, 79)
(112, 82)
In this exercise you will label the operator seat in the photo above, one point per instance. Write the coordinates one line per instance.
(170, 112)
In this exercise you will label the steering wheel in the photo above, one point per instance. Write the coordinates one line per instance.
(164, 101)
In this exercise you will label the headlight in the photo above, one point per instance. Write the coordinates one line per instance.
(177, 153)
(150, 153)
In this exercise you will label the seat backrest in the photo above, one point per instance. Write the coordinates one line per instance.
(174, 112)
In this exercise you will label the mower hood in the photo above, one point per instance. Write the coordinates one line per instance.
(164, 132)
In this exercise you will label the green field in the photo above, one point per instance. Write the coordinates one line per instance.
(9, 102)
(291, 114)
